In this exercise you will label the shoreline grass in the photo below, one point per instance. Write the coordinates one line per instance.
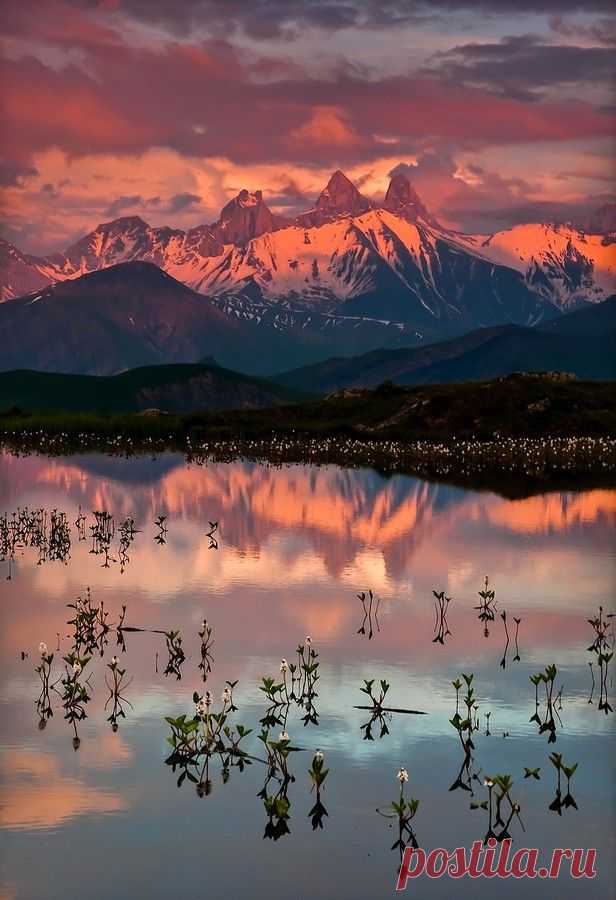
(532, 429)
(513, 466)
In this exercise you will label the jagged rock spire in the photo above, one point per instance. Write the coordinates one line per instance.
(243, 218)
(403, 200)
(339, 197)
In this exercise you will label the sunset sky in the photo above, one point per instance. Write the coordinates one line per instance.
(503, 112)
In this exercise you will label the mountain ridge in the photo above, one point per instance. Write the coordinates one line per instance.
(561, 264)
(351, 277)
(484, 353)
(134, 314)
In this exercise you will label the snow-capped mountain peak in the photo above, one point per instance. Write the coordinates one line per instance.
(562, 264)
(348, 256)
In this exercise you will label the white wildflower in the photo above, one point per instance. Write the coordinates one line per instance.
(402, 775)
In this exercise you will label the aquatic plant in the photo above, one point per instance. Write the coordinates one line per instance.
(441, 606)
(102, 533)
(195, 741)
(318, 773)
(499, 789)
(503, 616)
(465, 724)
(548, 723)
(371, 613)
(75, 694)
(277, 806)
(379, 712)
(207, 642)
(90, 624)
(559, 802)
(516, 658)
(119, 683)
(43, 670)
(211, 535)
(402, 811)
(603, 649)
(161, 524)
(298, 687)
(487, 606)
(176, 655)
(80, 525)
(127, 533)
(46, 532)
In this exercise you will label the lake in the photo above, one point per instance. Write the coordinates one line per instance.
(269, 556)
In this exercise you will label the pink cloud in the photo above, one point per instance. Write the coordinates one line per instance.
(72, 80)
(326, 127)
(208, 99)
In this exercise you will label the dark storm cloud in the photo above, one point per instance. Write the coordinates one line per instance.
(289, 198)
(479, 200)
(105, 108)
(210, 98)
(523, 66)
(433, 162)
(50, 191)
(86, 79)
(494, 218)
(13, 173)
(602, 31)
(175, 204)
(123, 203)
(271, 19)
(183, 201)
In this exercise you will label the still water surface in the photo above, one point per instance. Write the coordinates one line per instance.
(294, 548)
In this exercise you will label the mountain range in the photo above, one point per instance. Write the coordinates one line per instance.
(581, 343)
(261, 292)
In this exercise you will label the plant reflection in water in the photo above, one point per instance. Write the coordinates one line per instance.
(371, 613)
(119, 683)
(487, 606)
(603, 649)
(441, 606)
(380, 713)
(207, 741)
(559, 803)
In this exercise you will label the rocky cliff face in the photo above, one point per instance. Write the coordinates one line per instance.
(243, 218)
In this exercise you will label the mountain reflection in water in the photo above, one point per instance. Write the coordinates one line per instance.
(384, 574)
